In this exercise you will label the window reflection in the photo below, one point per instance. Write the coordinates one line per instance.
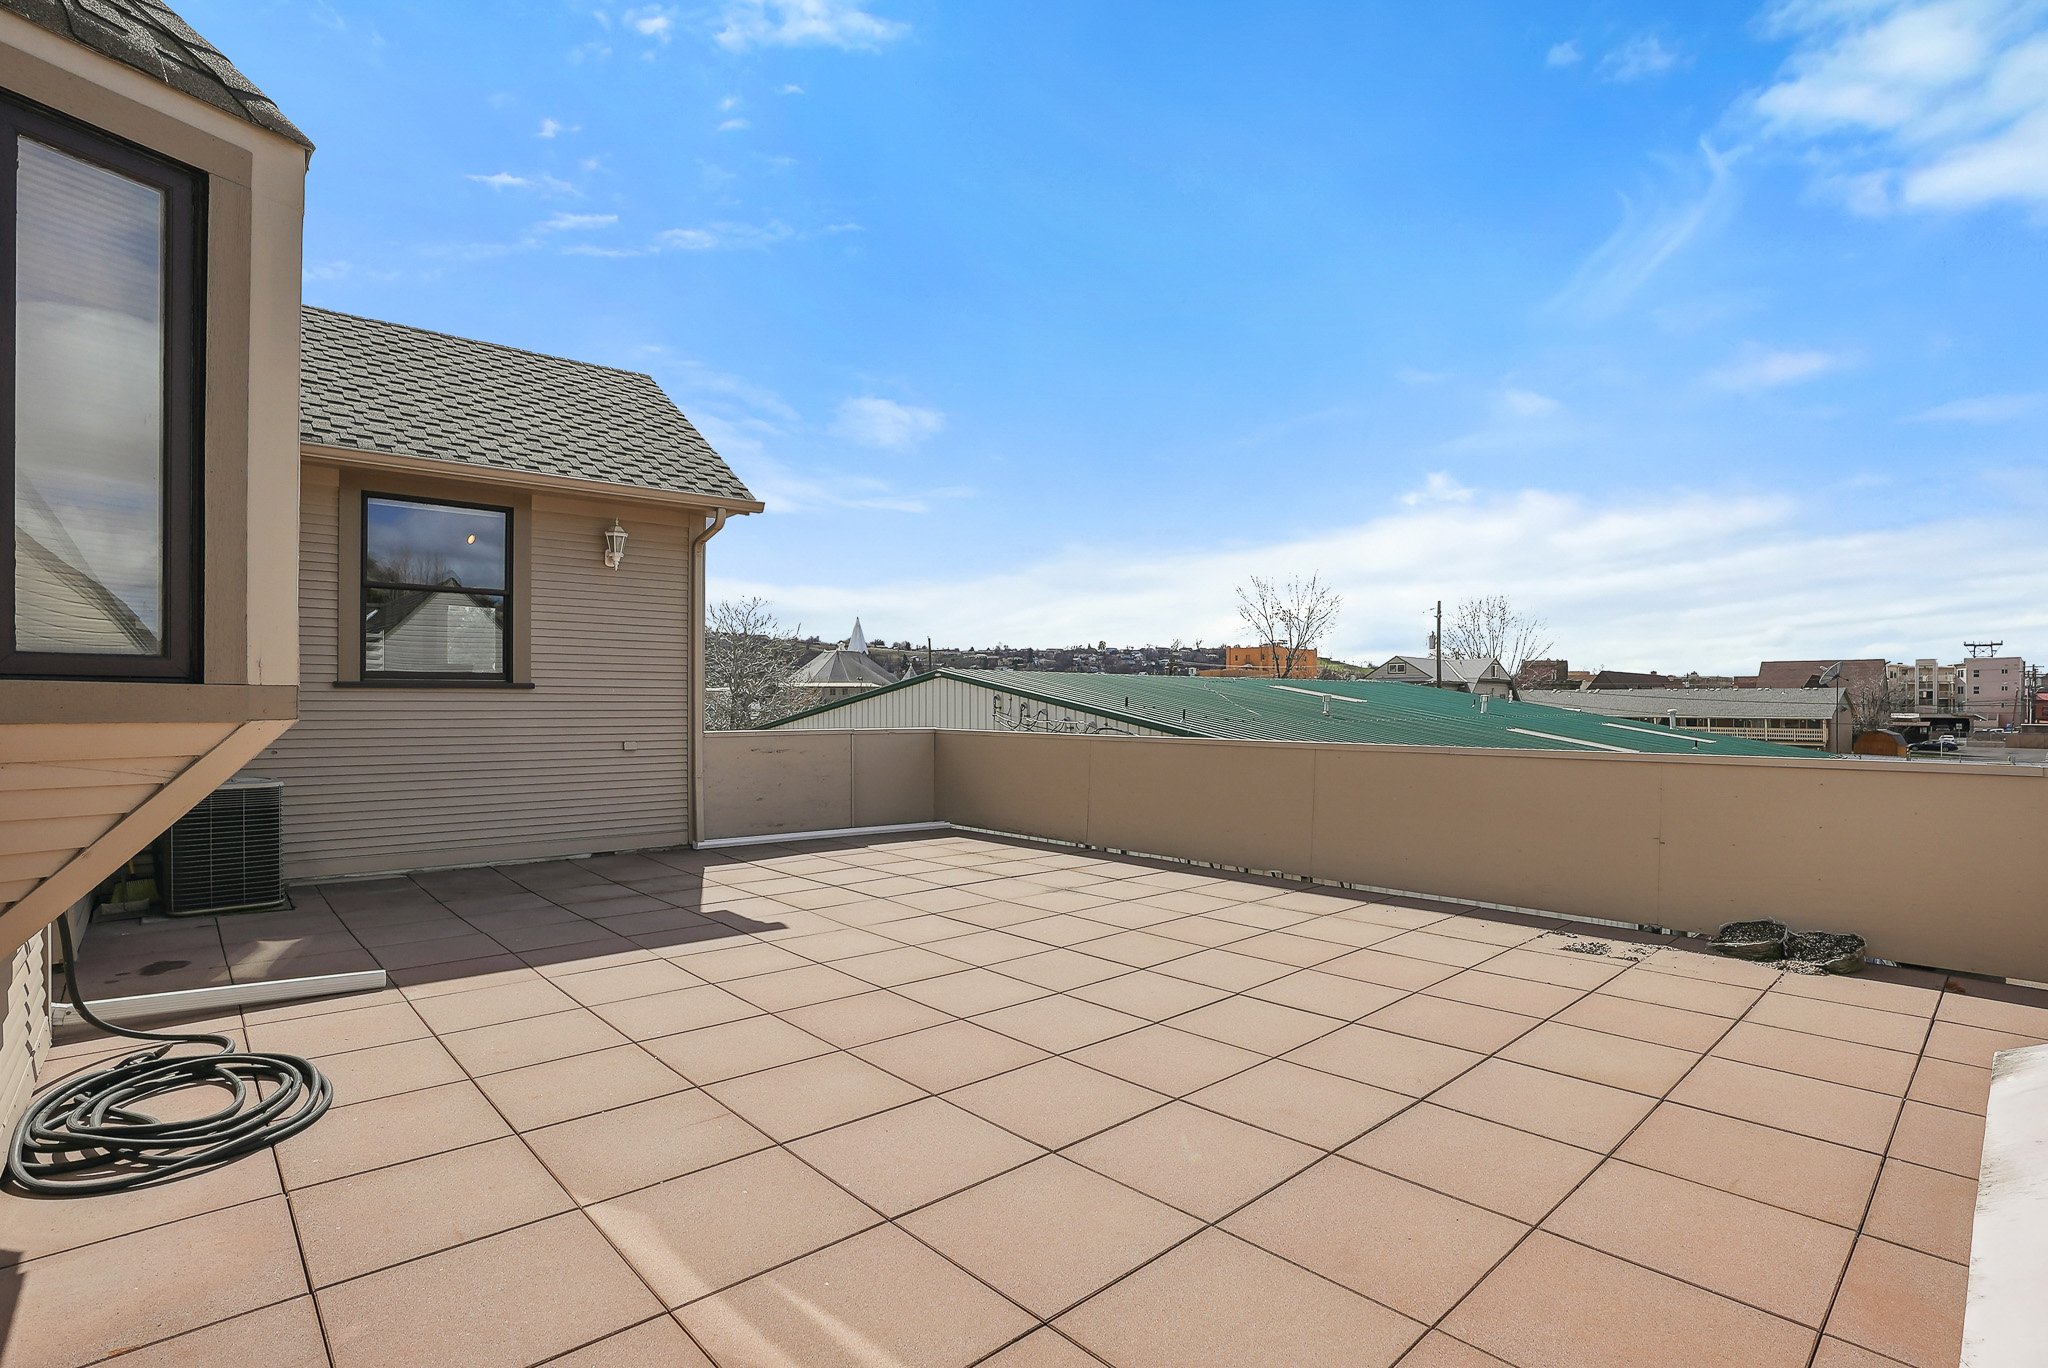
(435, 588)
(89, 408)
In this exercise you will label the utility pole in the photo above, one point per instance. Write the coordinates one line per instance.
(1438, 682)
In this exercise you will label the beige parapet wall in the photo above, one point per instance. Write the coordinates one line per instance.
(1676, 841)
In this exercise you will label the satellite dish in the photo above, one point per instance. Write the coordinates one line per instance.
(1831, 674)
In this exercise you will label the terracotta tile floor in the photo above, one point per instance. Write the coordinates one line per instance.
(946, 1100)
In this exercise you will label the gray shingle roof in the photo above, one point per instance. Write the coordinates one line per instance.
(384, 387)
(151, 38)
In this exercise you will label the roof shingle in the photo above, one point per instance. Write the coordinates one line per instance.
(366, 385)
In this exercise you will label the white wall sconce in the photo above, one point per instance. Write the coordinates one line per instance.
(614, 545)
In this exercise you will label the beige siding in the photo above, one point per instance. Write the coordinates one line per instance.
(957, 705)
(593, 757)
(25, 1029)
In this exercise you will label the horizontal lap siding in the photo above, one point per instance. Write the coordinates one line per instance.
(379, 780)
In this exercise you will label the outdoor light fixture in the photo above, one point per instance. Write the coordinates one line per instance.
(614, 545)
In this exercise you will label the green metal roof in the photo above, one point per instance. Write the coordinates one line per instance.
(1358, 711)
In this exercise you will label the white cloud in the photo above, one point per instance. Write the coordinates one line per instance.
(505, 180)
(1916, 104)
(1640, 58)
(792, 90)
(1440, 487)
(1987, 408)
(805, 23)
(885, 423)
(1563, 54)
(733, 125)
(576, 223)
(1527, 403)
(1658, 579)
(1648, 238)
(555, 128)
(1760, 369)
(651, 21)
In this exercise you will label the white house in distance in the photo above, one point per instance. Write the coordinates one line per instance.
(840, 671)
(1466, 674)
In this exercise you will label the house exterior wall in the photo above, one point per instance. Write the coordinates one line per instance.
(593, 756)
(90, 772)
(1994, 687)
(25, 1029)
(958, 705)
(1265, 661)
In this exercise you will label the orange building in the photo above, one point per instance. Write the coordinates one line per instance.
(1263, 662)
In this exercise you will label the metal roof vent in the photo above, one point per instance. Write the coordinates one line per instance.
(227, 854)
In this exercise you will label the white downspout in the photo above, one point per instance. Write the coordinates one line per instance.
(696, 758)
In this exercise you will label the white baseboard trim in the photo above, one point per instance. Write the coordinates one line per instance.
(187, 1001)
(777, 838)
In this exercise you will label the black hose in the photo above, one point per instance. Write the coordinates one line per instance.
(88, 1132)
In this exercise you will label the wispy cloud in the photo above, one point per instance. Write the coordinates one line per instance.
(1986, 408)
(792, 90)
(1651, 234)
(805, 23)
(575, 223)
(651, 21)
(712, 237)
(1915, 104)
(886, 424)
(1760, 368)
(1441, 487)
(555, 128)
(1638, 59)
(1563, 54)
(733, 125)
(1527, 403)
(505, 180)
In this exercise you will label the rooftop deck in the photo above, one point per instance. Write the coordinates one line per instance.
(952, 1100)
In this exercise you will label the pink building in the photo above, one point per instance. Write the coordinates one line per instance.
(1994, 688)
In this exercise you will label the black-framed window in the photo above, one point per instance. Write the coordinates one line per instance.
(101, 259)
(437, 589)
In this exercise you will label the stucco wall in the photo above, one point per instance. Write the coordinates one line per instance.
(766, 783)
(1683, 842)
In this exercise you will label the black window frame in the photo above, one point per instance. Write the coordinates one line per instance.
(185, 224)
(364, 584)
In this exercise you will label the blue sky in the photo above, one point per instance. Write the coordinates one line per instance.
(1708, 334)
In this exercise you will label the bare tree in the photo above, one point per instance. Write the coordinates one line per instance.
(1492, 628)
(748, 659)
(1291, 618)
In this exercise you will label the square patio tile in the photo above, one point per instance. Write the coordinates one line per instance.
(1805, 1106)
(1384, 1059)
(337, 1032)
(913, 1155)
(990, 947)
(707, 1230)
(1479, 1161)
(1139, 949)
(1635, 1065)
(1451, 950)
(661, 1341)
(535, 1040)
(611, 1152)
(1674, 1026)
(1771, 1258)
(1205, 1164)
(518, 1297)
(787, 988)
(1837, 1061)
(37, 1226)
(1559, 971)
(712, 1054)
(971, 991)
(1903, 1304)
(1225, 969)
(1959, 1087)
(1438, 1350)
(682, 1009)
(1148, 994)
(1267, 1027)
(1302, 1103)
(1673, 990)
(1060, 969)
(1936, 1137)
(1404, 1246)
(1059, 1023)
(83, 1304)
(1524, 997)
(1590, 1115)
(1285, 947)
(942, 1057)
(643, 978)
(997, 1232)
(1462, 1024)
(905, 965)
(489, 1006)
(389, 1130)
(1167, 1060)
(1621, 1316)
(866, 1017)
(727, 962)
(1829, 1181)
(1043, 1349)
(1217, 1302)
(372, 1220)
(385, 1070)
(561, 1089)
(879, 1298)
(1840, 1021)
(1924, 1209)
(812, 1095)
(282, 1335)
(1055, 1101)
(1330, 995)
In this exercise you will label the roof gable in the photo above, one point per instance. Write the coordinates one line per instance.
(371, 386)
(150, 37)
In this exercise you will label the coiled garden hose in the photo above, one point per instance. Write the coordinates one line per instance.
(91, 1132)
